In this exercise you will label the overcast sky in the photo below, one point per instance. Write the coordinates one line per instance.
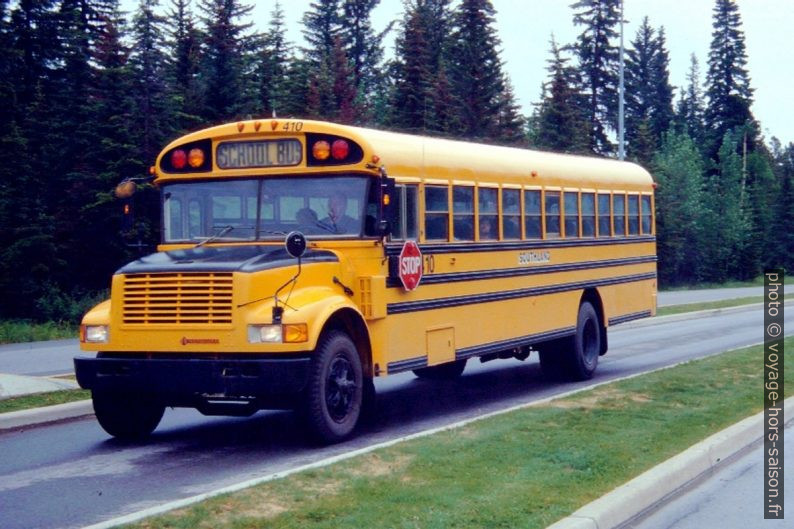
(525, 26)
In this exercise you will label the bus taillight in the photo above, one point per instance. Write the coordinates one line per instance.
(340, 149)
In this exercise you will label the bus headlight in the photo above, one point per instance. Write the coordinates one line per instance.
(95, 333)
(287, 333)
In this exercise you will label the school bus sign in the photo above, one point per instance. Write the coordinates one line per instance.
(410, 265)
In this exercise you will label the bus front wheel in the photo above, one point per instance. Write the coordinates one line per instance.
(336, 388)
(126, 415)
(575, 358)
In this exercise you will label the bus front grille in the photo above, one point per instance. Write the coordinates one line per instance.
(177, 299)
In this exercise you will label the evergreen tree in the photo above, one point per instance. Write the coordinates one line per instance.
(679, 170)
(598, 61)
(510, 124)
(224, 58)
(476, 69)
(559, 124)
(274, 81)
(33, 28)
(184, 86)
(344, 90)
(691, 106)
(783, 254)
(363, 47)
(149, 65)
(727, 81)
(322, 27)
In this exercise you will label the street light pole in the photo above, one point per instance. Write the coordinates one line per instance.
(621, 90)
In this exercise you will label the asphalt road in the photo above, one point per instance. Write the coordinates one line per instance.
(55, 357)
(730, 498)
(73, 474)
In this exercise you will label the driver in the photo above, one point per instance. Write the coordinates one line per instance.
(337, 218)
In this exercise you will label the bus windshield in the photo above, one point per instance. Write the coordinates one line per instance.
(265, 209)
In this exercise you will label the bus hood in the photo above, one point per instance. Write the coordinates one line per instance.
(223, 259)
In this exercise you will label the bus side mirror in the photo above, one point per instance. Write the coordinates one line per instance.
(126, 189)
(295, 244)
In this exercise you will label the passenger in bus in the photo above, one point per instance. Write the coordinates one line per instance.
(337, 220)
(488, 231)
(307, 220)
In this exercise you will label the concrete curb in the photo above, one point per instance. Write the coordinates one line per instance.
(654, 486)
(672, 318)
(47, 414)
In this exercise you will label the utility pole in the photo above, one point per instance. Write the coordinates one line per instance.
(621, 90)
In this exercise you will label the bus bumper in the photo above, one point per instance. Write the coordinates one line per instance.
(178, 381)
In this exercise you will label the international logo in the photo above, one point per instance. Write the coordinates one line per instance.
(199, 341)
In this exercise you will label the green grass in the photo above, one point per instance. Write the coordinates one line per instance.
(757, 282)
(527, 468)
(19, 331)
(705, 305)
(38, 400)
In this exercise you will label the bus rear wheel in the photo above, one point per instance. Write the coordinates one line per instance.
(336, 388)
(574, 358)
(127, 415)
(446, 371)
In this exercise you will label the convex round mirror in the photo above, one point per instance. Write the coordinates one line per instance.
(126, 189)
(296, 244)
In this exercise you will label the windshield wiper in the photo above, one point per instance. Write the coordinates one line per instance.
(215, 237)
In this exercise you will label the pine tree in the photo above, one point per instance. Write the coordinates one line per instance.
(598, 59)
(274, 81)
(559, 124)
(510, 124)
(476, 69)
(691, 106)
(322, 26)
(344, 90)
(363, 47)
(727, 82)
(184, 86)
(224, 58)
(783, 254)
(679, 170)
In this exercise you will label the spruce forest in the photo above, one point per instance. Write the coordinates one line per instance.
(91, 94)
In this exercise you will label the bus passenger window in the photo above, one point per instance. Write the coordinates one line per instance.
(552, 213)
(646, 215)
(634, 214)
(436, 213)
(463, 213)
(532, 225)
(406, 205)
(604, 225)
(619, 213)
(588, 215)
(511, 213)
(571, 214)
(489, 227)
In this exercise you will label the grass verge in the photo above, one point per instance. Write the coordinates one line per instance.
(39, 400)
(705, 305)
(757, 282)
(523, 469)
(19, 331)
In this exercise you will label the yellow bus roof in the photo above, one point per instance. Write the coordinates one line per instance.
(406, 155)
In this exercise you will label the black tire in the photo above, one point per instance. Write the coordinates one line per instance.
(335, 391)
(575, 358)
(446, 371)
(127, 415)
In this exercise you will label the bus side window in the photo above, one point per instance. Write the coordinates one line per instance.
(552, 207)
(647, 215)
(532, 214)
(604, 224)
(619, 213)
(588, 214)
(571, 214)
(436, 213)
(634, 214)
(463, 213)
(511, 213)
(407, 207)
(489, 214)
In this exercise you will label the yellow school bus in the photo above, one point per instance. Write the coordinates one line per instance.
(300, 260)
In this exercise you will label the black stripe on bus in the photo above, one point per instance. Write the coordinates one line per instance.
(455, 301)
(495, 347)
(629, 317)
(394, 248)
(433, 279)
(407, 365)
